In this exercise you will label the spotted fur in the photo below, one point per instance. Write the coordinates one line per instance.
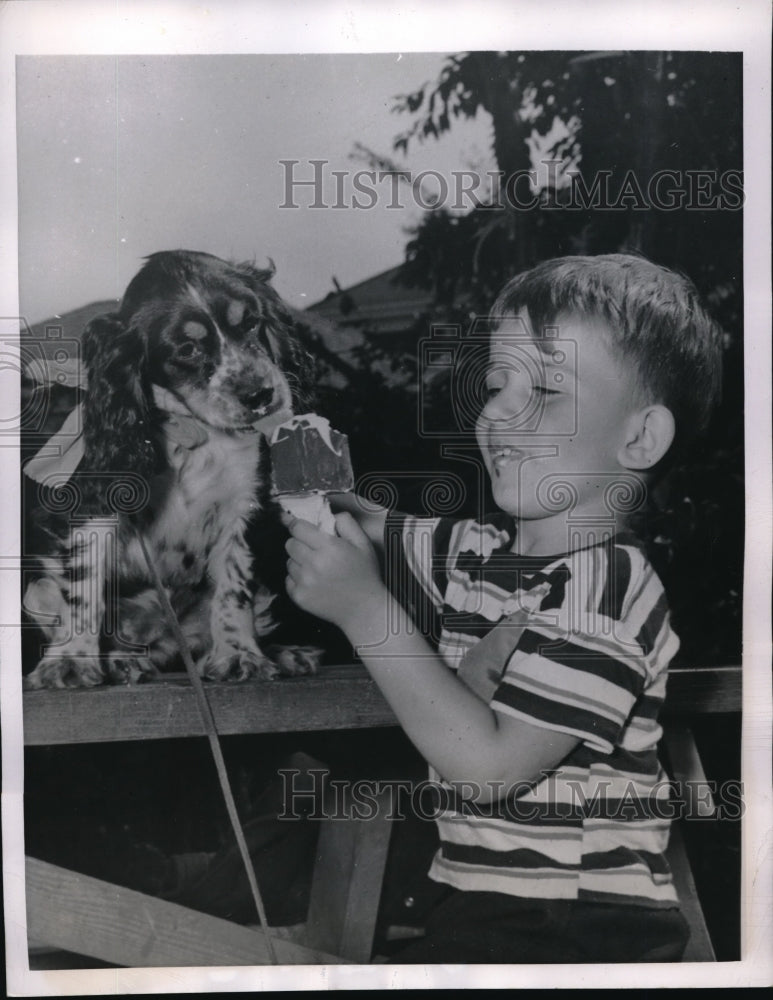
(219, 342)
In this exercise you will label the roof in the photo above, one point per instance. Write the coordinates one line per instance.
(51, 349)
(381, 303)
(71, 324)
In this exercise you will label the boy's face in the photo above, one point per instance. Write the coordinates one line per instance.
(553, 417)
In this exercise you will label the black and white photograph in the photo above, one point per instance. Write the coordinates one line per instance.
(386, 559)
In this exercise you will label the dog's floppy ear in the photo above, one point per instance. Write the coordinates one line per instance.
(298, 365)
(302, 362)
(117, 426)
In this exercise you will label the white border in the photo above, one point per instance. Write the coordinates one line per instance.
(93, 27)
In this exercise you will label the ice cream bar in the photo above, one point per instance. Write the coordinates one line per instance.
(310, 459)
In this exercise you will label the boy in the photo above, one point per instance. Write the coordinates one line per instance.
(538, 712)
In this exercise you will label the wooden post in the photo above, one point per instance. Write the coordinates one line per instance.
(347, 880)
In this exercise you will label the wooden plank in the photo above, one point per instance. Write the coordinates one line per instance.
(336, 698)
(686, 766)
(699, 947)
(346, 887)
(704, 690)
(127, 928)
(341, 697)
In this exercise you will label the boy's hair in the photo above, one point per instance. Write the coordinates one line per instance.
(656, 322)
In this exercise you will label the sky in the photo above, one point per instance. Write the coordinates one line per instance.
(122, 156)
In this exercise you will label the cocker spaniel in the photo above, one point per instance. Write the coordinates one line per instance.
(183, 383)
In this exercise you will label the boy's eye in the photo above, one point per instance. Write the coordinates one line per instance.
(542, 390)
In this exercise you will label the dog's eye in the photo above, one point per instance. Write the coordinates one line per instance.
(265, 340)
(258, 337)
(187, 350)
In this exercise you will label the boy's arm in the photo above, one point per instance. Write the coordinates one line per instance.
(456, 732)
(465, 740)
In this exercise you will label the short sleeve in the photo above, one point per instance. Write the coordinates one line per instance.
(575, 681)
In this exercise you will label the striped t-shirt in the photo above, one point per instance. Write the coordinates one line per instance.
(578, 643)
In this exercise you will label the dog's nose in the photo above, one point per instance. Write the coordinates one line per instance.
(258, 398)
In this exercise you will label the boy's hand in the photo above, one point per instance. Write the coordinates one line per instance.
(333, 577)
(369, 516)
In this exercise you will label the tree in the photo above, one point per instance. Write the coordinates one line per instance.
(630, 117)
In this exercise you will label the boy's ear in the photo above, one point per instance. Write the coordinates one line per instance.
(648, 434)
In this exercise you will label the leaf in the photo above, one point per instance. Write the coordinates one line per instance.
(414, 101)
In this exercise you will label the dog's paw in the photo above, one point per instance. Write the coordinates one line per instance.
(294, 661)
(122, 669)
(65, 672)
(238, 665)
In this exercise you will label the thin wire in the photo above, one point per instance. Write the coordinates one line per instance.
(214, 743)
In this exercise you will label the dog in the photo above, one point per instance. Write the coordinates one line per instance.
(184, 382)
